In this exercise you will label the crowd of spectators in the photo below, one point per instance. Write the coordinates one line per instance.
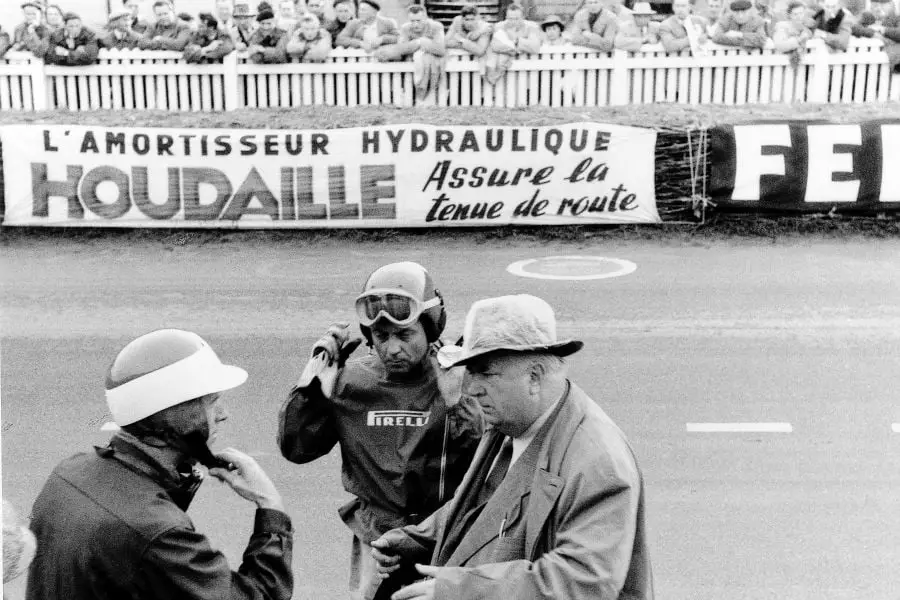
(302, 31)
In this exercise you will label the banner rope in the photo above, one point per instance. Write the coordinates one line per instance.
(697, 161)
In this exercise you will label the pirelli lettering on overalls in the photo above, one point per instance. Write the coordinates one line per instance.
(397, 418)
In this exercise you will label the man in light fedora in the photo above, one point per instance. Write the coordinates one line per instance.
(640, 30)
(553, 503)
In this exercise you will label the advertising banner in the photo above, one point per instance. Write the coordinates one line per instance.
(368, 177)
(805, 166)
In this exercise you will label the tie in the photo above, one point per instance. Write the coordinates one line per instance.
(497, 473)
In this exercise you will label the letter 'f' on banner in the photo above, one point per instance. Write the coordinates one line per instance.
(751, 164)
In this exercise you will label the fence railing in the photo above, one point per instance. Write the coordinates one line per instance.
(561, 76)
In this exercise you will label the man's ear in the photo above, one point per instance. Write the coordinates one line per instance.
(536, 373)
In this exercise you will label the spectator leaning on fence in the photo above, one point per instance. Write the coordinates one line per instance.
(469, 32)
(882, 23)
(186, 20)
(370, 30)
(552, 28)
(225, 14)
(421, 40)
(73, 45)
(634, 33)
(53, 18)
(712, 13)
(512, 37)
(31, 35)
(790, 36)
(120, 35)
(344, 12)
(5, 42)
(166, 33)
(317, 7)
(208, 43)
(833, 25)
(676, 32)
(287, 16)
(594, 26)
(244, 25)
(741, 27)
(138, 25)
(310, 42)
(269, 42)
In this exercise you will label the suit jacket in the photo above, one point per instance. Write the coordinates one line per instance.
(384, 27)
(673, 35)
(571, 513)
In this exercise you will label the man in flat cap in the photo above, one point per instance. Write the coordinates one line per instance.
(31, 34)
(120, 36)
(553, 503)
(166, 33)
(209, 43)
(740, 27)
(882, 22)
(369, 30)
(73, 45)
(268, 43)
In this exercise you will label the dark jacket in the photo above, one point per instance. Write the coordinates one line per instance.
(111, 525)
(837, 29)
(334, 27)
(274, 44)
(174, 37)
(82, 52)
(128, 42)
(5, 42)
(224, 46)
(399, 443)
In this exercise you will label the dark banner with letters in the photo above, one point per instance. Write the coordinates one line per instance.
(806, 166)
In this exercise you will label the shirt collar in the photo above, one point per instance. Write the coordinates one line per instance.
(523, 441)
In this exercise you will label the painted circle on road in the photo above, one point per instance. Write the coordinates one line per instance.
(572, 268)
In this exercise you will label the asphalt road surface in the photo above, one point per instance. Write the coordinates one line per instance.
(804, 335)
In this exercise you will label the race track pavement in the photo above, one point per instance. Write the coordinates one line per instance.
(804, 335)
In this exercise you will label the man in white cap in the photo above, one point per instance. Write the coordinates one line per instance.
(638, 30)
(112, 523)
(553, 504)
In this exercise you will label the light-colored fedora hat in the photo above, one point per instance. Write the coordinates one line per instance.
(519, 323)
(642, 8)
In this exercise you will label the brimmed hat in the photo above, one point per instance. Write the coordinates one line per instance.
(70, 16)
(118, 14)
(741, 5)
(373, 3)
(552, 20)
(242, 9)
(32, 4)
(642, 8)
(265, 15)
(520, 323)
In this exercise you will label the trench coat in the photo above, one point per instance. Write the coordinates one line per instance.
(566, 522)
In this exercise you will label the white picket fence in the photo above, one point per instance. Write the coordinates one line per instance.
(563, 76)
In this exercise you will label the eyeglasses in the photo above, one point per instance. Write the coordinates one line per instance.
(398, 308)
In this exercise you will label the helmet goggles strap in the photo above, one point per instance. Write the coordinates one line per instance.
(398, 308)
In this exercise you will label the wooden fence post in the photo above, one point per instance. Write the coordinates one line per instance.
(230, 83)
(620, 82)
(38, 84)
(817, 88)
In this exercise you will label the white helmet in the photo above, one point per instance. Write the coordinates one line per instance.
(164, 368)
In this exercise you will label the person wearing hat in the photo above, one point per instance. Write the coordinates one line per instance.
(553, 505)
(31, 34)
(677, 32)
(74, 45)
(469, 31)
(112, 523)
(166, 33)
(53, 18)
(120, 35)
(741, 27)
(882, 22)
(244, 25)
(268, 44)
(317, 8)
(639, 30)
(406, 436)
(187, 20)
(344, 12)
(833, 25)
(552, 27)
(310, 42)
(790, 36)
(369, 30)
(208, 43)
(138, 25)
